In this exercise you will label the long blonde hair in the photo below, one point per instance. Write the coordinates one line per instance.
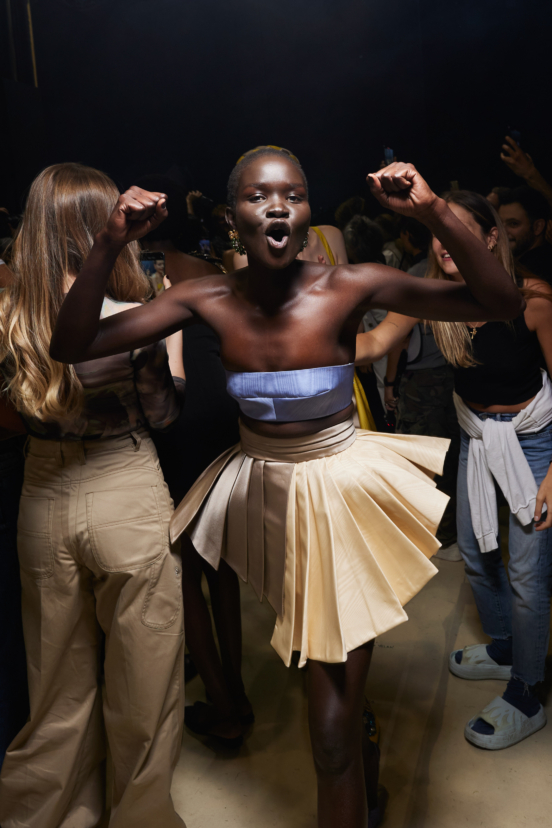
(67, 205)
(453, 338)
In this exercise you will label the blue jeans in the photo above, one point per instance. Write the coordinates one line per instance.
(520, 608)
(14, 703)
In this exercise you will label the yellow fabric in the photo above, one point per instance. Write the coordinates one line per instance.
(324, 241)
(365, 419)
(338, 542)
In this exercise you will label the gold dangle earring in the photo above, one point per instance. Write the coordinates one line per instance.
(305, 243)
(236, 242)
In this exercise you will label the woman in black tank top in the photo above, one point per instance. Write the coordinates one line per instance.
(498, 377)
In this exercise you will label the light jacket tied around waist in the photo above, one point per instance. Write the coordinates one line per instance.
(495, 452)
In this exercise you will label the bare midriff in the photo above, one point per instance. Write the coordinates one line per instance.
(499, 409)
(300, 429)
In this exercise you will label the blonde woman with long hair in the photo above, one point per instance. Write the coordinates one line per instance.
(93, 537)
(504, 403)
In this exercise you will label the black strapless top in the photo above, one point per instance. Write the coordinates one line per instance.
(508, 372)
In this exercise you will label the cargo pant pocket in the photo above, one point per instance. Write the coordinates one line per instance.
(34, 536)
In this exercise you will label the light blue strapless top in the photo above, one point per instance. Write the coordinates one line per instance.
(291, 396)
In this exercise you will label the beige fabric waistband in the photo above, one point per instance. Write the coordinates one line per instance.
(324, 443)
(67, 450)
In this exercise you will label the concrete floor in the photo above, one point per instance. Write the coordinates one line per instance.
(435, 778)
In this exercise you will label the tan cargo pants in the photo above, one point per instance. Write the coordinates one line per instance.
(94, 552)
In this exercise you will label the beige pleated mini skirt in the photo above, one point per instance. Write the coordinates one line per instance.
(335, 529)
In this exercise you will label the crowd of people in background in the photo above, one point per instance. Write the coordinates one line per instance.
(166, 411)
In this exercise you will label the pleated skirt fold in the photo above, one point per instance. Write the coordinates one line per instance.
(338, 542)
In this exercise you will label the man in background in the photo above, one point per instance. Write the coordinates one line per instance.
(525, 213)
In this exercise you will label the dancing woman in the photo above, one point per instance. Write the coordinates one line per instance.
(334, 527)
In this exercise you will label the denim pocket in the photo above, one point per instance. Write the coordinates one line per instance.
(126, 528)
(34, 536)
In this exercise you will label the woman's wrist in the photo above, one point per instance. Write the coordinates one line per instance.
(532, 175)
(106, 244)
(435, 215)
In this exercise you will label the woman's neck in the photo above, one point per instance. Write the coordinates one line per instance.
(269, 288)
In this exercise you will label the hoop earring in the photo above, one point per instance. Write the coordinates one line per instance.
(305, 243)
(236, 243)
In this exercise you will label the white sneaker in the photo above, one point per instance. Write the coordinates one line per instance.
(510, 725)
(451, 553)
(477, 664)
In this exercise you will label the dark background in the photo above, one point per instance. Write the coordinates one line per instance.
(137, 86)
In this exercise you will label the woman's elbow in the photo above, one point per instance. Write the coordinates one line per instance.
(365, 354)
(509, 306)
(516, 306)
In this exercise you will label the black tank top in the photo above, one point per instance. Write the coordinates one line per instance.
(508, 372)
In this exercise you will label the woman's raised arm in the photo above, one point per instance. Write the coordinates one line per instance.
(79, 334)
(489, 291)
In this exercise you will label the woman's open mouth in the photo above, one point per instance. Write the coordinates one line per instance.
(277, 234)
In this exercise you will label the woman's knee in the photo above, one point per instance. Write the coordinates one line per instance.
(334, 746)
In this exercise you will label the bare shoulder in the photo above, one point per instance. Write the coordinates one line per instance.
(357, 281)
(537, 285)
(539, 303)
(331, 232)
(336, 241)
(358, 273)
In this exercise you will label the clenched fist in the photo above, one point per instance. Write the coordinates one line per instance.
(401, 188)
(136, 214)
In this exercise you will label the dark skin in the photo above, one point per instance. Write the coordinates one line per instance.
(282, 314)
(279, 313)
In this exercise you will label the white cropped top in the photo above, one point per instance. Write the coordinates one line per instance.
(291, 396)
